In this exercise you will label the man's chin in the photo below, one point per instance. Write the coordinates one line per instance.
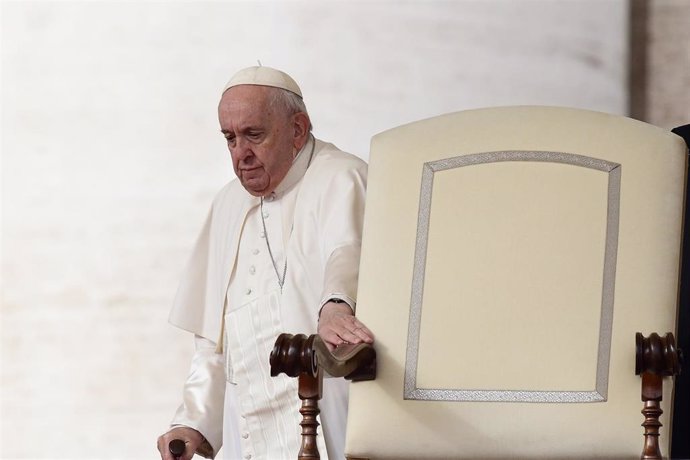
(256, 189)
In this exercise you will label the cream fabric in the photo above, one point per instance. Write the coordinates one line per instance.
(315, 216)
(268, 407)
(264, 76)
(331, 201)
(204, 388)
(514, 282)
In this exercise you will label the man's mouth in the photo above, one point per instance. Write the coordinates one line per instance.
(251, 171)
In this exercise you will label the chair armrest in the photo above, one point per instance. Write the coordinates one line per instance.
(296, 354)
(307, 358)
(356, 362)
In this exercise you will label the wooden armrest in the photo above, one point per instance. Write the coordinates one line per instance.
(307, 358)
(296, 354)
(356, 362)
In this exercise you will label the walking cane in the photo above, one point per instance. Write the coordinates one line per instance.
(177, 447)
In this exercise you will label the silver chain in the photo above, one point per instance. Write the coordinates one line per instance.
(281, 281)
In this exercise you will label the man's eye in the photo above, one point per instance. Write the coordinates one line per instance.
(254, 136)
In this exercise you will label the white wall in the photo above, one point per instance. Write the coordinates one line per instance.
(111, 155)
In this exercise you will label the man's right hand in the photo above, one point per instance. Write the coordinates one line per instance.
(338, 325)
(191, 437)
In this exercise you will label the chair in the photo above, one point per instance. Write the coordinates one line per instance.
(510, 257)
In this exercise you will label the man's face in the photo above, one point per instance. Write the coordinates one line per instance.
(262, 139)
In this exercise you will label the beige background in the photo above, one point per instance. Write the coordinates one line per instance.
(111, 155)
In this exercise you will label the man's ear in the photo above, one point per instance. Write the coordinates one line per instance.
(301, 126)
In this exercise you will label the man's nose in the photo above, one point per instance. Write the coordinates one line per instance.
(242, 150)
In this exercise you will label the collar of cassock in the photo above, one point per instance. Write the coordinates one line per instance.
(297, 170)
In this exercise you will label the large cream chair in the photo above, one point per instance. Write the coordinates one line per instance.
(510, 256)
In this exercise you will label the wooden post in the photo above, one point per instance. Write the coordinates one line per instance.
(652, 385)
(307, 358)
(655, 359)
(309, 389)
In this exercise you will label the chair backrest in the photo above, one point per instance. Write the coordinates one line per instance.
(509, 257)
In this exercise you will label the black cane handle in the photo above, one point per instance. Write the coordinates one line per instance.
(177, 447)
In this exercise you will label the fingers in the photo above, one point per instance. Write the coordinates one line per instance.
(358, 334)
(330, 338)
(163, 448)
(329, 344)
(363, 332)
(337, 326)
(191, 437)
(338, 330)
(188, 453)
(352, 330)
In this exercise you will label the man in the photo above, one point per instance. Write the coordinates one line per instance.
(279, 252)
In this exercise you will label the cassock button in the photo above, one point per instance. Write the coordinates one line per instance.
(271, 197)
(252, 270)
(249, 291)
(248, 456)
(245, 435)
(266, 215)
(255, 251)
(262, 234)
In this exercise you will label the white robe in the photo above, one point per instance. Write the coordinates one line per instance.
(315, 216)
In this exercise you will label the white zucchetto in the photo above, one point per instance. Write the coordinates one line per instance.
(264, 76)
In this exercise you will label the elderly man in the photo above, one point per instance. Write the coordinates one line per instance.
(279, 252)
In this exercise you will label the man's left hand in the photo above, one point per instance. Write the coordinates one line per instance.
(338, 325)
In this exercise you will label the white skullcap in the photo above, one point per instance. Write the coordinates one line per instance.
(264, 76)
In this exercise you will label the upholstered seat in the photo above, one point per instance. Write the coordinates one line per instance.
(509, 257)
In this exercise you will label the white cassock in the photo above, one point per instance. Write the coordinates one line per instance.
(230, 299)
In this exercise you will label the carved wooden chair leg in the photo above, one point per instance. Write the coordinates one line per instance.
(655, 359)
(309, 389)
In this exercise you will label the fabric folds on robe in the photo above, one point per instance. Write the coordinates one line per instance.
(323, 259)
